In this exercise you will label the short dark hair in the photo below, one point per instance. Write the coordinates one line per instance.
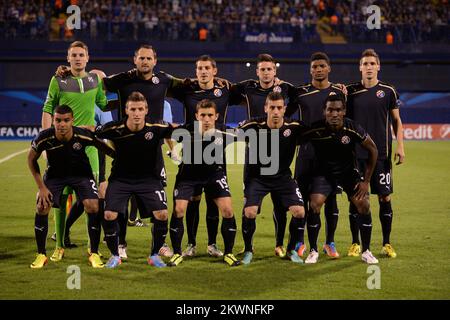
(333, 96)
(78, 44)
(206, 57)
(274, 96)
(136, 97)
(264, 57)
(145, 46)
(369, 53)
(205, 104)
(320, 56)
(63, 109)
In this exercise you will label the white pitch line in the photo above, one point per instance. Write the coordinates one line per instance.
(13, 155)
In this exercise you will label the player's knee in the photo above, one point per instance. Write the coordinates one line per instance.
(90, 206)
(161, 215)
(42, 211)
(251, 212)
(179, 210)
(315, 206)
(297, 211)
(227, 212)
(384, 198)
(110, 215)
(363, 206)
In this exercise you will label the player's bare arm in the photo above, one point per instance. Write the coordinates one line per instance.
(44, 198)
(363, 187)
(399, 155)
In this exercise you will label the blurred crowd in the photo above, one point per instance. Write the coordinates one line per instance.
(217, 20)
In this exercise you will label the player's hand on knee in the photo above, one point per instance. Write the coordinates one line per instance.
(362, 189)
(44, 199)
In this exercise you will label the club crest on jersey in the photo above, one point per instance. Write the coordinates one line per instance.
(277, 89)
(77, 146)
(218, 141)
(380, 94)
(218, 92)
(287, 133)
(155, 80)
(148, 136)
(345, 140)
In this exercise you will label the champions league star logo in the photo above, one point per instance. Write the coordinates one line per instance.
(77, 146)
(287, 133)
(155, 80)
(218, 92)
(380, 94)
(277, 89)
(345, 140)
(148, 136)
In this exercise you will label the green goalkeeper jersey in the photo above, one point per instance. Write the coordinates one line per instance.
(80, 94)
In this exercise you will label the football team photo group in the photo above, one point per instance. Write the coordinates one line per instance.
(224, 150)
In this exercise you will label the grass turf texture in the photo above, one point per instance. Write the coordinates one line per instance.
(420, 234)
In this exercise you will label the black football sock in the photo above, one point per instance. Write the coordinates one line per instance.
(228, 230)
(133, 209)
(386, 220)
(94, 230)
(296, 232)
(192, 220)
(313, 225)
(40, 232)
(122, 221)
(212, 220)
(331, 218)
(365, 228)
(248, 230)
(280, 220)
(353, 218)
(159, 233)
(75, 212)
(112, 235)
(176, 233)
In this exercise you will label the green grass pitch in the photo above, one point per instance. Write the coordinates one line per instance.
(420, 235)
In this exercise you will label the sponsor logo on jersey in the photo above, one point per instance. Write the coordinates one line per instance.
(148, 136)
(64, 81)
(287, 133)
(77, 146)
(380, 94)
(345, 140)
(277, 89)
(218, 92)
(155, 80)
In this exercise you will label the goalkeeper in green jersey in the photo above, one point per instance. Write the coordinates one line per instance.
(81, 92)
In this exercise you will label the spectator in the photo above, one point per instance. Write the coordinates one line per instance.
(389, 38)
